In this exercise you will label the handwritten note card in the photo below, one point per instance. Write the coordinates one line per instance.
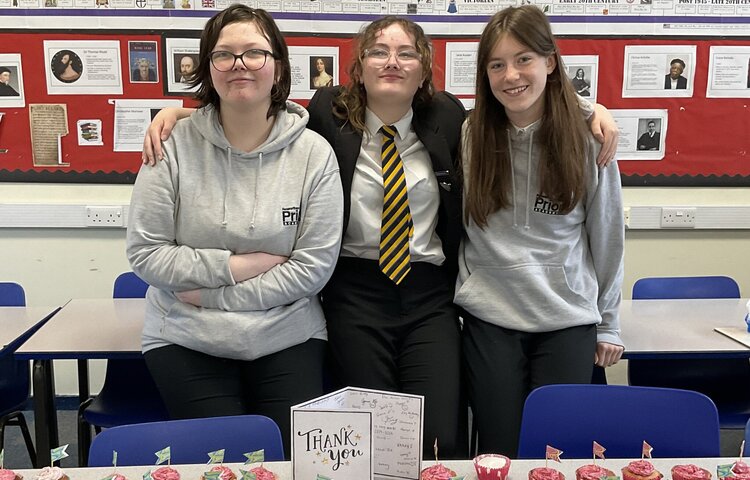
(397, 423)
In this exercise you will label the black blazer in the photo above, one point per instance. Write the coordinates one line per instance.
(681, 82)
(438, 126)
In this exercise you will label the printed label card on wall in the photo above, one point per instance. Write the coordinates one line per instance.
(397, 425)
(331, 444)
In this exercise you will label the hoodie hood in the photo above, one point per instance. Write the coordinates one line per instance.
(289, 125)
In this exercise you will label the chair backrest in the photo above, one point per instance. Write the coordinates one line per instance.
(676, 423)
(129, 285)
(190, 440)
(12, 295)
(652, 288)
(14, 374)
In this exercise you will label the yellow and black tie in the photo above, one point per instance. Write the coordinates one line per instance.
(397, 225)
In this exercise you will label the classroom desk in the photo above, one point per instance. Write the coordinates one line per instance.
(681, 328)
(81, 330)
(15, 322)
(518, 468)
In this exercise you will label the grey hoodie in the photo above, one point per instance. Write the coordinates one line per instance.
(533, 270)
(207, 201)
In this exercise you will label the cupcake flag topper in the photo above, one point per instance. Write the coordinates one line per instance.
(435, 449)
(551, 453)
(211, 475)
(58, 453)
(742, 450)
(2, 458)
(322, 477)
(724, 471)
(646, 450)
(248, 475)
(147, 476)
(164, 455)
(257, 456)
(216, 457)
(598, 451)
(114, 459)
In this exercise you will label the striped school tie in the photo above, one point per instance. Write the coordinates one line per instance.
(397, 225)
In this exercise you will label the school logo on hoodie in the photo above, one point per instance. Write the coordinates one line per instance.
(545, 205)
(290, 215)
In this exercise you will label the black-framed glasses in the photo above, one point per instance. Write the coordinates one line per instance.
(253, 59)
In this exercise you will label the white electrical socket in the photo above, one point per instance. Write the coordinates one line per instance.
(678, 217)
(104, 216)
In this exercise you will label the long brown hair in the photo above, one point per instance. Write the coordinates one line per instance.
(351, 103)
(206, 93)
(562, 174)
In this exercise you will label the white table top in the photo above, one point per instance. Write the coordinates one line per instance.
(15, 321)
(89, 328)
(681, 326)
(518, 468)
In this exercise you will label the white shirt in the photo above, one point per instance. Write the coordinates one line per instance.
(362, 236)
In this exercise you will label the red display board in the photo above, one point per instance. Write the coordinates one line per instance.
(708, 142)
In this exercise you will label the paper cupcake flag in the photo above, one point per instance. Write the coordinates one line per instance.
(257, 456)
(551, 453)
(147, 476)
(723, 471)
(164, 455)
(212, 475)
(58, 453)
(247, 475)
(216, 457)
(646, 450)
(322, 477)
(598, 451)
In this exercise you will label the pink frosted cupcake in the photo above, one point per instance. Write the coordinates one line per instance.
(437, 472)
(165, 473)
(741, 471)
(225, 473)
(593, 472)
(263, 474)
(690, 472)
(6, 474)
(545, 473)
(491, 466)
(52, 473)
(640, 470)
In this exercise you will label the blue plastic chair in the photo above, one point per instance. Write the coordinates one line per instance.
(677, 423)
(129, 394)
(14, 376)
(715, 377)
(190, 440)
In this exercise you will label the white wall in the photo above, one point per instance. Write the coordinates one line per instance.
(54, 265)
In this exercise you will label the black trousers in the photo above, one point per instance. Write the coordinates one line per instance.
(403, 338)
(503, 366)
(195, 385)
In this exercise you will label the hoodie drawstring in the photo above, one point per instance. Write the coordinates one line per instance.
(512, 178)
(528, 179)
(259, 167)
(227, 178)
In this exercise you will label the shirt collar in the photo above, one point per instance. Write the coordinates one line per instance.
(402, 126)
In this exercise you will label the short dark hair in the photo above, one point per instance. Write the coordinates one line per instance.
(206, 93)
(4, 70)
(677, 60)
(651, 122)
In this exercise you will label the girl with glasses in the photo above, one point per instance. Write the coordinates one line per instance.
(404, 334)
(233, 232)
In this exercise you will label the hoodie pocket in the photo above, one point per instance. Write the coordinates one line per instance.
(528, 297)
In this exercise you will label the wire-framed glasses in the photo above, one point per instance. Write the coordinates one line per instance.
(253, 59)
(380, 56)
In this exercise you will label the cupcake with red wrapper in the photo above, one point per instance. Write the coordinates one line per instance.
(164, 473)
(261, 473)
(219, 472)
(593, 471)
(738, 470)
(641, 469)
(545, 472)
(491, 466)
(690, 472)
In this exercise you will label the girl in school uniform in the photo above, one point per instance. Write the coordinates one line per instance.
(540, 268)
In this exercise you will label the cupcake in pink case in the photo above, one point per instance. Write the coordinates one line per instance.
(545, 473)
(261, 473)
(738, 470)
(491, 466)
(6, 474)
(690, 472)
